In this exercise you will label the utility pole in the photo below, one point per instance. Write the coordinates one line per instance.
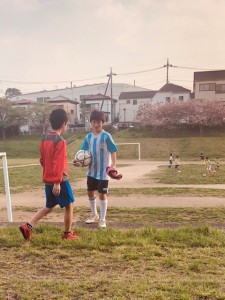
(167, 70)
(110, 75)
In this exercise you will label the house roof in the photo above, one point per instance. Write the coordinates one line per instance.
(170, 87)
(61, 98)
(209, 75)
(24, 102)
(97, 97)
(137, 95)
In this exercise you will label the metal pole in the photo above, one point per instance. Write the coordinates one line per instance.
(139, 151)
(7, 190)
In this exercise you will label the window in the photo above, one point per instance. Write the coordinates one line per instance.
(207, 87)
(92, 106)
(168, 99)
(134, 102)
(42, 99)
(220, 88)
(181, 98)
(128, 101)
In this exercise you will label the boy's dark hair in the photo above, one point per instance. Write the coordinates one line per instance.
(97, 115)
(207, 157)
(57, 118)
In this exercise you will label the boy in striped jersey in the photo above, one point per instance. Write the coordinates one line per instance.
(103, 150)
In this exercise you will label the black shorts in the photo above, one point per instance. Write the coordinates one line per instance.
(97, 185)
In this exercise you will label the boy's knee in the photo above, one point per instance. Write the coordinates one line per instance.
(48, 210)
(69, 207)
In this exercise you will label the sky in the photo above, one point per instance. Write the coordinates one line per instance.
(47, 44)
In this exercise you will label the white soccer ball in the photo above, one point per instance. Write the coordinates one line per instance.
(83, 158)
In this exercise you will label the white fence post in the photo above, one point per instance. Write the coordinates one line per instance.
(7, 190)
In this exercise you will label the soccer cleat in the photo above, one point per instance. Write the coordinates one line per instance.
(70, 236)
(102, 224)
(93, 218)
(26, 232)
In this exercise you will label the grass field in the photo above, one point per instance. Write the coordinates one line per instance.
(166, 254)
(188, 148)
(190, 174)
(183, 263)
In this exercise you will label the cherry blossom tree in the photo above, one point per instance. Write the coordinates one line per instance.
(201, 113)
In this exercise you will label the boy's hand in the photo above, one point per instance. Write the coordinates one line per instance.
(76, 163)
(56, 189)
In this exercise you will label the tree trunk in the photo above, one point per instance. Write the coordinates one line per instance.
(201, 130)
(3, 134)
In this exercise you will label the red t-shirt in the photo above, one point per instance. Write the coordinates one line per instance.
(53, 158)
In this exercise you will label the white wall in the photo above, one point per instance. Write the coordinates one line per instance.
(160, 97)
(209, 95)
(128, 111)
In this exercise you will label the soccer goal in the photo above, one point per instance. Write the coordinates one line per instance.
(138, 145)
(6, 181)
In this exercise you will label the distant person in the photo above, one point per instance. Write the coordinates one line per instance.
(177, 164)
(170, 160)
(208, 166)
(202, 158)
(53, 158)
(217, 164)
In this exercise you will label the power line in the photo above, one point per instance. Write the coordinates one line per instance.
(144, 71)
(190, 68)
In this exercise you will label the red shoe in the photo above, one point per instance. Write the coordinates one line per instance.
(70, 236)
(26, 232)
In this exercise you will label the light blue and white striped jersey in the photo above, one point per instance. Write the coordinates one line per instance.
(100, 146)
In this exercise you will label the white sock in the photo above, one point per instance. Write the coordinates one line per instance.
(93, 206)
(103, 209)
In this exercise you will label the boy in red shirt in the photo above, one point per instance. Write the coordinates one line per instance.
(53, 158)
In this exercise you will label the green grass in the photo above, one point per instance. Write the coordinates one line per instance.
(190, 174)
(184, 263)
(188, 148)
(147, 216)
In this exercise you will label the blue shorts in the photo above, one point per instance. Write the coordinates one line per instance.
(63, 199)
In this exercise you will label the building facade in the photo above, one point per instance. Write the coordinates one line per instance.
(209, 85)
(129, 103)
(171, 92)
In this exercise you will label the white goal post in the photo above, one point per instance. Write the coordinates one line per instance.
(139, 148)
(7, 190)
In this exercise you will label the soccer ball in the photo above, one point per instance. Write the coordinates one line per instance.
(83, 158)
(204, 175)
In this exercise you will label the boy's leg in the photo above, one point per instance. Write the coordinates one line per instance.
(94, 214)
(103, 206)
(39, 215)
(68, 217)
(103, 203)
(92, 186)
(26, 229)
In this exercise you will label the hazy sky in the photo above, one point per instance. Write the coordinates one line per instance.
(70, 40)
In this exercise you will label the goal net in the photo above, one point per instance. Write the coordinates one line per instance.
(129, 150)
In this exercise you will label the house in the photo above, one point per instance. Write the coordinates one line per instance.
(171, 92)
(129, 103)
(99, 102)
(70, 106)
(209, 85)
(77, 92)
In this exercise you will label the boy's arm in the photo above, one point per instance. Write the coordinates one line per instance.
(113, 157)
(58, 166)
